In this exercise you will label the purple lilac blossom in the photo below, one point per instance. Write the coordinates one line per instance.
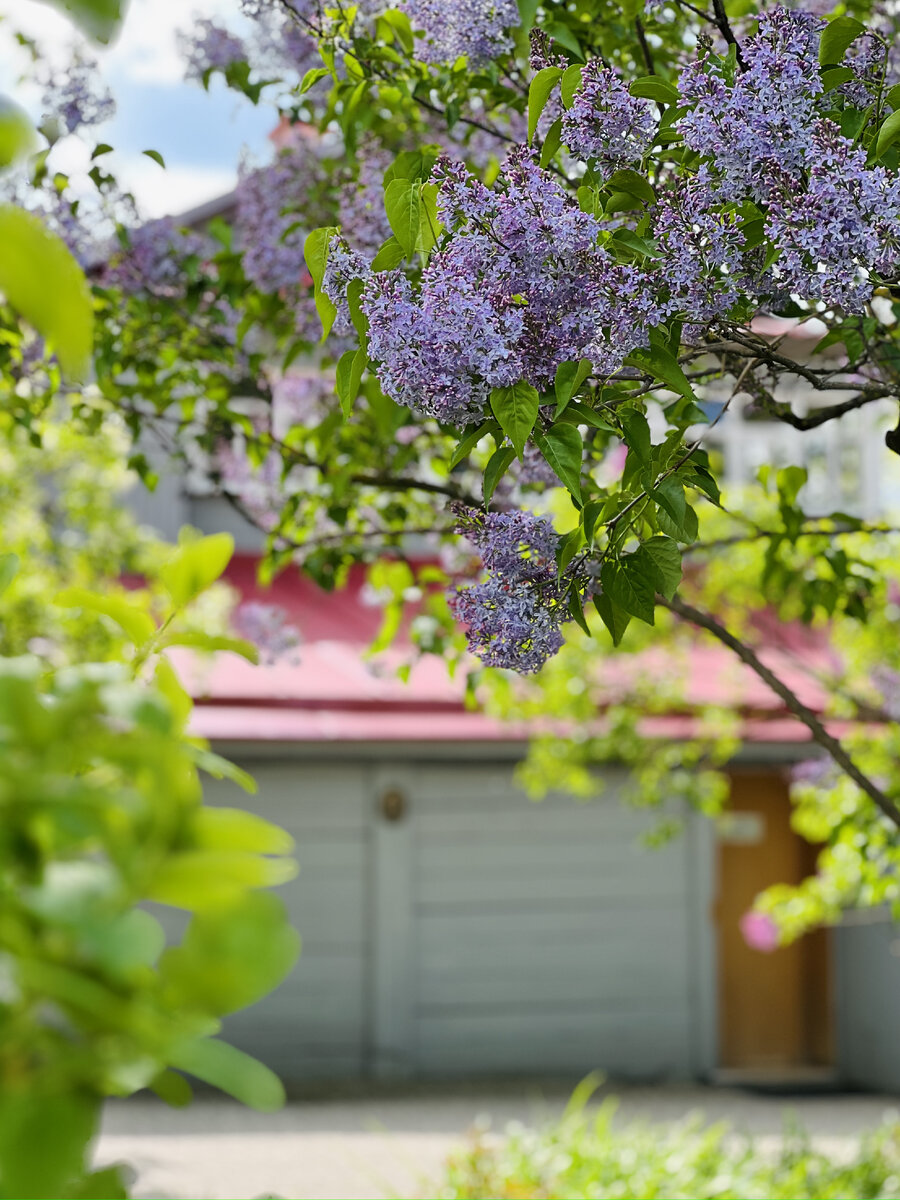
(812, 771)
(154, 259)
(267, 627)
(514, 614)
(833, 220)
(269, 216)
(518, 287)
(605, 122)
(361, 200)
(74, 100)
(450, 29)
(209, 47)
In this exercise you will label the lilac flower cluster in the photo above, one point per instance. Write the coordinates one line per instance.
(155, 259)
(361, 200)
(272, 202)
(514, 614)
(74, 99)
(833, 220)
(475, 29)
(520, 286)
(267, 627)
(209, 47)
(605, 122)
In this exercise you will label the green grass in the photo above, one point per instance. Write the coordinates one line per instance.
(583, 1155)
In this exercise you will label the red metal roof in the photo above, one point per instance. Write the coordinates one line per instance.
(332, 692)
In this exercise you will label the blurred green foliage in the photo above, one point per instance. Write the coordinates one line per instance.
(584, 1156)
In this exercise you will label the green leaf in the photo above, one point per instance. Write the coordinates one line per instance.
(315, 252)
(222, 768)
(134, 621)
(632, 183)
(615, 619)
(571, 82)
(516, 408)
(888, 134)
(836, 37)
(99, 19)
(495, 470)
(312, 76)
(569, 545)
(835, 76)
(403, 207)
(563, 449)
(430, 227)
(538, 94)
(636, 432)
(576, 611)
(210, 643)
(17, 136)
(592, 511)
(43, 282)
(662, 558)
(389, 256)
(569, 378)
(231, 1071)
(470, 440)
(207, 879)
(411, 164)
(893, 96)
(156, 156)
(173, 1089)
(196, 565)
(232, 957)
(100, 149)
(348, 376)
(659, 363)
(9, 568)
(44, 1138)
(628, 584)
(652, 87)
(551, 142)
(218, 828)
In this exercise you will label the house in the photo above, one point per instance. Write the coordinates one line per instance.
(452, 928)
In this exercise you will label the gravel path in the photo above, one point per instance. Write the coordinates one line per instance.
(393, 1143)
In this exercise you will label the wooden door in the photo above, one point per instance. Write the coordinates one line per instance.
(774, 1009)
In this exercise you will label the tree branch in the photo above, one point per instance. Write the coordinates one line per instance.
(820, 734)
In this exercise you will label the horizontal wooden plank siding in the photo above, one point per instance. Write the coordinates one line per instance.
(315, 1025)
(546, 938)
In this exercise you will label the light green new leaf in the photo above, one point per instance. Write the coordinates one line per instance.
(563, 449)
(44, 283)
(236, 829)
(516, 408)
(206, 879)
(315, 252)
(196, 565)
(17, 136)
(136, 623)
(210, 643)
(836, 37)
(230, 1070)
(9, 568)
(569, 378)
(539, 93)
(232, 957)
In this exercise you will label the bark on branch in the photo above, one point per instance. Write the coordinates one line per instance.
(820, 734)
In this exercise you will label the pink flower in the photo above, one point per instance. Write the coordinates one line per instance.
(760, 931)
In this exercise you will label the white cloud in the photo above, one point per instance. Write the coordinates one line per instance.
(175, 190)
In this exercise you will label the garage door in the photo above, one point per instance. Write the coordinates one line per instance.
(314, 1025)
(521, 937)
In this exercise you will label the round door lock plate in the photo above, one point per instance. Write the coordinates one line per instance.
(393, 805)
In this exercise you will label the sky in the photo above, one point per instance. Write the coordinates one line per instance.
(200, 135)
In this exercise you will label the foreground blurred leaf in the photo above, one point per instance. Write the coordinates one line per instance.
(231, 1070)
(44, 283)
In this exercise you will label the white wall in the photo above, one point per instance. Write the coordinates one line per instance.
(867, 985)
